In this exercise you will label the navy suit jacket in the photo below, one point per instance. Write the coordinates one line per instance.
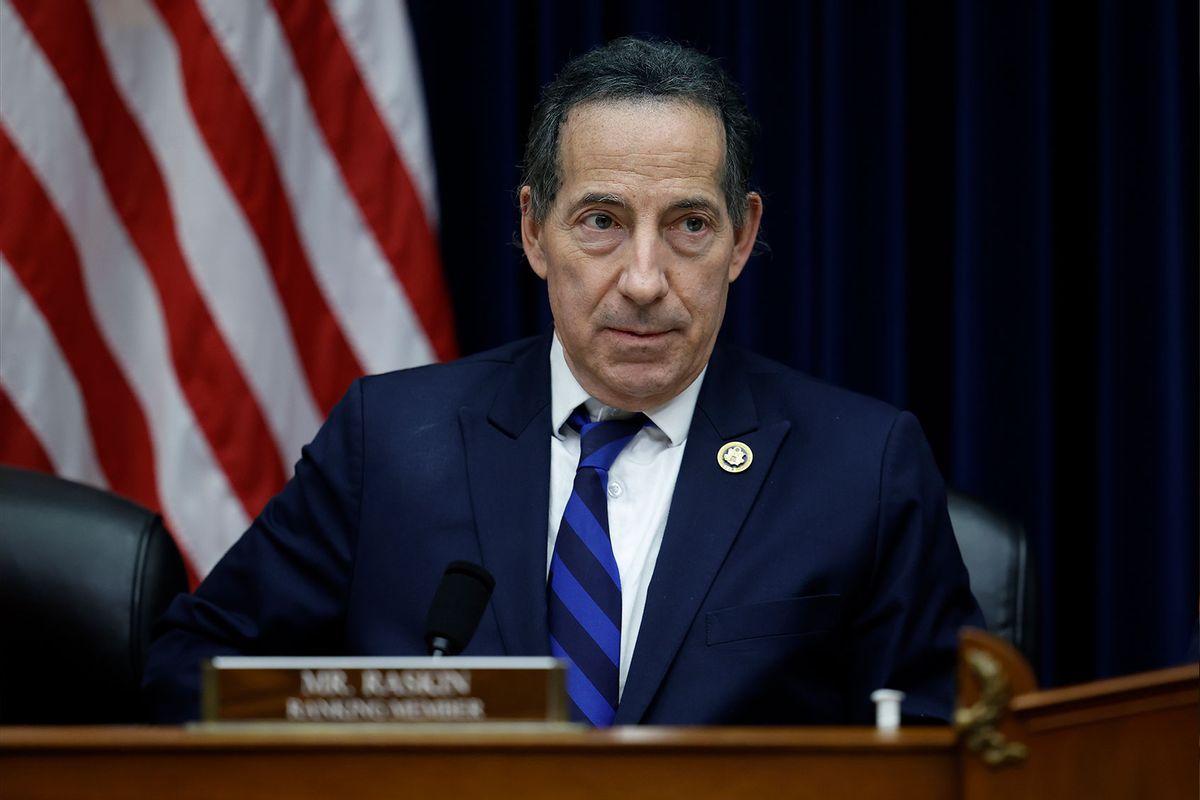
(783, 594)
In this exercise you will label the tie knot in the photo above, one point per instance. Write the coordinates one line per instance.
(601, 442)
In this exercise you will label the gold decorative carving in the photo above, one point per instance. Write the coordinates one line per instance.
(979, 722)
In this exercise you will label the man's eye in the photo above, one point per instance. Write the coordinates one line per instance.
(694, 224)
(598, 221)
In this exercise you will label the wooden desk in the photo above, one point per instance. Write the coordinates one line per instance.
(1127, 739)
(351, 762)
(1130, 737)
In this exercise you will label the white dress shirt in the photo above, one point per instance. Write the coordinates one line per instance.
(640, 484)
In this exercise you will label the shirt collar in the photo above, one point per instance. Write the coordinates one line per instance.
(673, 418)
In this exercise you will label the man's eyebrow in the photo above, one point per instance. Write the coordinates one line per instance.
(694, 204)
(599, 199)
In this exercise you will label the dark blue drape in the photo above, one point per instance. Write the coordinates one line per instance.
(983, 212)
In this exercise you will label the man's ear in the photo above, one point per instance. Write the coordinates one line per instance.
(745, 236)
(531, 233)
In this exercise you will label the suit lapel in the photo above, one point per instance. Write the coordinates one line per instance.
(708, 509)
(508, 467)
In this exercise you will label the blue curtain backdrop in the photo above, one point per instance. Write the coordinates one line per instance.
(983, 212)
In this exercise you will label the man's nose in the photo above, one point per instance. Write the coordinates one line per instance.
(644, 274)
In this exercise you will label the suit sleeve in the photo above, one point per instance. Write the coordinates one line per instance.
(906, 633)
(282, 588)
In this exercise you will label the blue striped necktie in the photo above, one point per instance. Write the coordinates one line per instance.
(584, 591)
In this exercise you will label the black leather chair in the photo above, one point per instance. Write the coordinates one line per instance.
(83, 576)
(1001, 570)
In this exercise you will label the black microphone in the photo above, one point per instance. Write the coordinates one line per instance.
(457, 607)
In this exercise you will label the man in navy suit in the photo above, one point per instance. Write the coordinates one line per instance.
(783, 546)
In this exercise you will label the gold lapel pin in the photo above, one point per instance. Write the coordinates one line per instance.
(735, 457)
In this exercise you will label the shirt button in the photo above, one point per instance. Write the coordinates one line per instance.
(614, 490)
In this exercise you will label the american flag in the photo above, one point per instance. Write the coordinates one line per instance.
(214, 214)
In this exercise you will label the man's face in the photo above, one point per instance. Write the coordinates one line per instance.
(638, 250)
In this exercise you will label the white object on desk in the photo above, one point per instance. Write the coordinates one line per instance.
(887, 709)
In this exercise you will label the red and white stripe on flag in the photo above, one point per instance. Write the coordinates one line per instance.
(215, 215)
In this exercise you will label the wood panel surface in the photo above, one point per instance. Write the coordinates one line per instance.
(350, 761)
(1124, 738)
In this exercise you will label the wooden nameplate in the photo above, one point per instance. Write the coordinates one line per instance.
(383, 690)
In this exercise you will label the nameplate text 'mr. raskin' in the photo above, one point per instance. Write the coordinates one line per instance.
(382, 690)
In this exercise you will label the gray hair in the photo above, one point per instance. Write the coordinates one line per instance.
(636, 69)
